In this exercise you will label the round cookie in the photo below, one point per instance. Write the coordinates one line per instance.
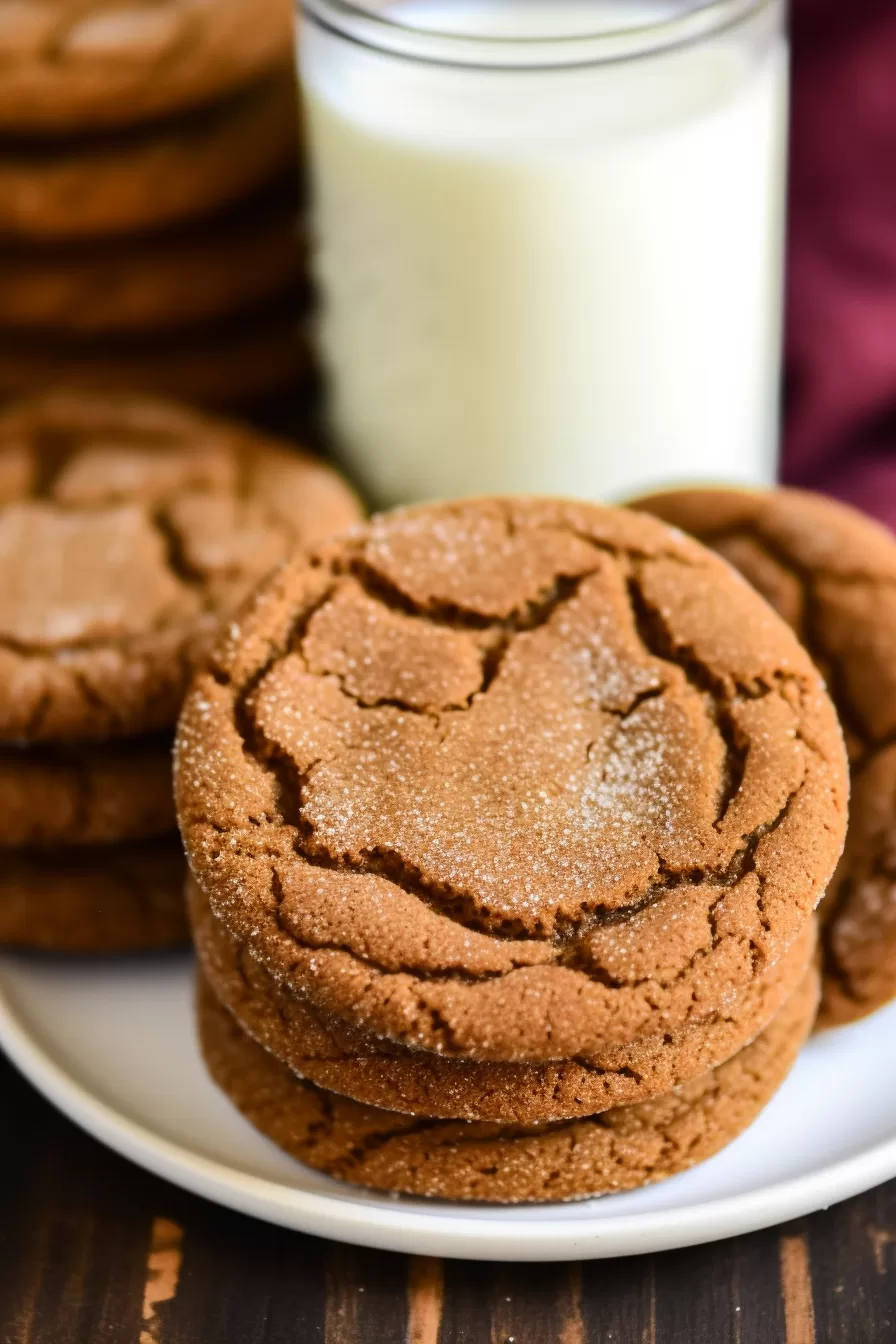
(159, 177)
(85, 795)
(511, 780)
(416, 1082)
(161, 283)
(115, 898)
(238, 364)
(618, 1150)
(67, 66)
(831, 573)
(128, 529)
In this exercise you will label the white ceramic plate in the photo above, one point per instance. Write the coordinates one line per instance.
(112, 1045)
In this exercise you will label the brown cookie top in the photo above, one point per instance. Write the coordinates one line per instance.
(831, 573)
(417, 1082)
(69, 66)
(618, 1150)
(512, 779)
(127, 529)
(85, 795)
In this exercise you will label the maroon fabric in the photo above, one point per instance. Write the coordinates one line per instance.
(840, 423)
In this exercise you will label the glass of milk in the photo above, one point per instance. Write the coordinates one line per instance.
(548, 240)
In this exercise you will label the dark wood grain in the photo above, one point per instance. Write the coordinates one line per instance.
(94, 1251)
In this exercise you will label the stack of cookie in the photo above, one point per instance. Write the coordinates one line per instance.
(831, 573)
(507, 821)
(128, 530)
(148, 166)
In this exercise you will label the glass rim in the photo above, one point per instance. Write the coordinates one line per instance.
(381, 33)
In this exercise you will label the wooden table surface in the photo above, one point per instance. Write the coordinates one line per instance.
(95, 1251)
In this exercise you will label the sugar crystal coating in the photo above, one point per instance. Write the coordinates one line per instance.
(626, 814)
(418, 1082)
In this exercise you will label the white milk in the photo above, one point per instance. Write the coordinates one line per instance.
(549, 280)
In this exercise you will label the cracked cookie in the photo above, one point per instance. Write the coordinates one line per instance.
(128, 528)
(511, 780)
(620, 1149)
(85, 795)
(67, 66)
(114, 898)
(154, 178)
(417, 1082)
(831, 573)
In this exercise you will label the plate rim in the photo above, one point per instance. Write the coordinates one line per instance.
(427, 1231)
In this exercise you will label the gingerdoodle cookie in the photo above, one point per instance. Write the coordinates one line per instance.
(67, 66)
(114, 898)
(416, 1082)
(162, 283)
(85, 795)
(617, 1150)
(831, 573)
(511, 780)
(237, 364)
(153, 178)
(128, 529)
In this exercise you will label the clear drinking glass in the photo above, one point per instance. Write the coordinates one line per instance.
(548, 240)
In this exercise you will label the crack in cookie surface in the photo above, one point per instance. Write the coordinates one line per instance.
(831, 573)
(128, 528)
(381, 1073)
(613, 1150)
(605, 814)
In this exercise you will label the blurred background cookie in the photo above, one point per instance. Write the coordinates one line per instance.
(831, 573)
(128, 529)
(149, 199)
(85, 795)
(69, 66)
(183, 279)
(243, 361)
(154, 177)
(110, 898)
